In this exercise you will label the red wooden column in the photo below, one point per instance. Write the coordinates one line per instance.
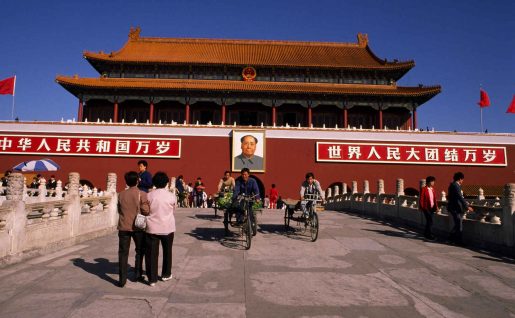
(81, 110)
(115, 112)
(345, 118)
(310, 116)
(380, 118)
(223, 112)
(274, 114)
(151, 112)
(187, 112)
(415, 124)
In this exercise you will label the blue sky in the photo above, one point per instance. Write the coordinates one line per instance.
(457, 44)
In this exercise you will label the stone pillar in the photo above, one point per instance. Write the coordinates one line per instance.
(310, 116)
(224, 108)
(73, 183)
(80, 111)
(481, 194)
(366, 187)
(113, 204)
(115, 112)
(187, 112)
(336, 190)
(400, 186)
(508, 214)
(380, 186)
(15, 221)
(344, 188)
(380, 111)
(274, 114)
(151, 112)
(444, 198)
(354, 187)
(111, 182)
(329, 193)
(15, 187)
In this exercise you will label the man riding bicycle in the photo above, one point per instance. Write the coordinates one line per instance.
(309, 187)
(244, 186)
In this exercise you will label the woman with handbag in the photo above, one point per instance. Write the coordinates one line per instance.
(160, 228)
(131, 202)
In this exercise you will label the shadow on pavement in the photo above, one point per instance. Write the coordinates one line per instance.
(208, 233)
(101, 268)
(208, 217)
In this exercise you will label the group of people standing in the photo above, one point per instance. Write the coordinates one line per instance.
(159, 207)
(456, 206)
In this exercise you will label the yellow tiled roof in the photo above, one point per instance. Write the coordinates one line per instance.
(257, 53)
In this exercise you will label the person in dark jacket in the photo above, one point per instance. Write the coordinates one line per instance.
(245, 185)
(145, 177)
(428, 205)
(457, 206)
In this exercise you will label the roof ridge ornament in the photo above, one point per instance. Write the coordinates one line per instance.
(362, 39)
(134, 33)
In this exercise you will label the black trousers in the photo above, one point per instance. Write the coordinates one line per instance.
(152, 255)
(429, 223)
(124, 244)
(456, 234)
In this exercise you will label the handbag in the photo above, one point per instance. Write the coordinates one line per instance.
(141, 221)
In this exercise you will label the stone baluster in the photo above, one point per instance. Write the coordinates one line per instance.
(481, 194)
(366, 187)
(15, 221)
(111, 182)
(336, 191)
(508, 214)
(59, 189)
(95, 192)
(344, 188)
(42, 189)
(85, 190)
(400, 186)
(329, 193)
(380, 186)
(444, 198)
(354, 187)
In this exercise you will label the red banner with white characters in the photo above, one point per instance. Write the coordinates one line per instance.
(411, 154)
(90, 146)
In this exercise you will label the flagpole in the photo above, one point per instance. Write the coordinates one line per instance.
(14, 91)
(481, 111)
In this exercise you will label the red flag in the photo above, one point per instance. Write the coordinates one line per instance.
(7, 86)
(484, 100)
(511, 108)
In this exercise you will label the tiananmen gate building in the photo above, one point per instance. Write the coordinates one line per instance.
(185, 106)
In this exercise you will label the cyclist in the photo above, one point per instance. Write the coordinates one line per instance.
(244, 186)
(310, 186)
(226, 184)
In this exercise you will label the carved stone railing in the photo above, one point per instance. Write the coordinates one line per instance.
(491, 224)
(33, 223)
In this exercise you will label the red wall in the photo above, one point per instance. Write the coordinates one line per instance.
(287, 161)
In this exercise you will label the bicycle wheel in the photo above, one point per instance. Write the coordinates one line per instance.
(247, 233)
(313, 223)
(254, 223)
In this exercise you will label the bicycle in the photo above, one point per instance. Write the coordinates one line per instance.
(311, 221)
(248, 227)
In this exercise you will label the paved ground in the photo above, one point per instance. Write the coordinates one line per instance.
(357, 268)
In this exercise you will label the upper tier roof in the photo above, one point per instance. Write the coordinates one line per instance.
(248, 52)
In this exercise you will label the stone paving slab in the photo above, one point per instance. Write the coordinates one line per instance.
(357, 268)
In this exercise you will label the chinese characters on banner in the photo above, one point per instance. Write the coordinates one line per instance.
(90, 146)
(411, 154)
